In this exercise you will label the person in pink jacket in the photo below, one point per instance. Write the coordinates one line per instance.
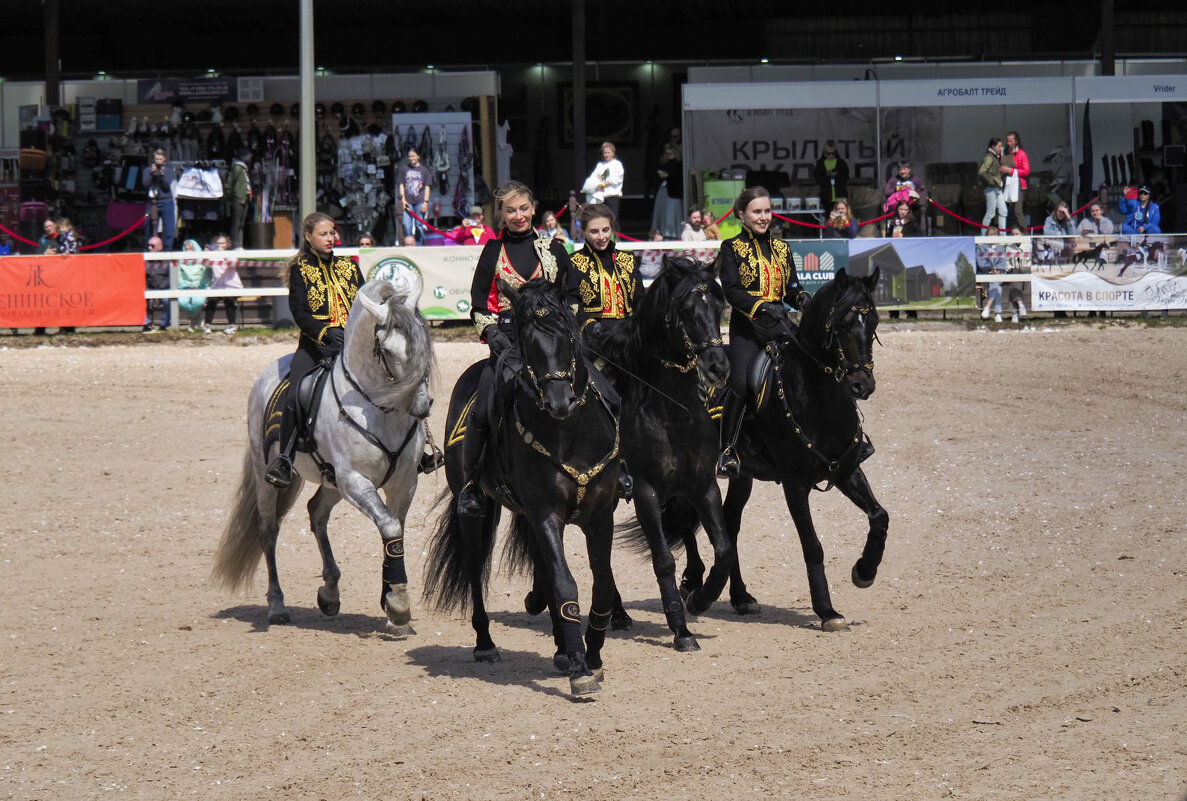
(1016, 163)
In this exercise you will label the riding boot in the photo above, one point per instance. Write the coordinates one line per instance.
(471, 500)
(731, 425)
(280, 469)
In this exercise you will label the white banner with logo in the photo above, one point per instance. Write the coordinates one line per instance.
(1110, 273)
(445, 275)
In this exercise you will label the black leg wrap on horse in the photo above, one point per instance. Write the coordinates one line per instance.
(673, 604)
(599, 621)
(393, 562)
(570, 613)
(822, 603)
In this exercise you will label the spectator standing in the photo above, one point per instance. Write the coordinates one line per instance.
(903, 223)
(473, 230)
(1096, 223)
(224, 275)
(667, 216)
(604, 184)
(710, 225)
(1142, 215)
(841, 224)
(905, 186)
(238, 192)
(693, 227)
(1015, 164)
(162, 210)
(415, 183)
(48, 244)
(156, 276)
(990, 177)
(832, 175)
(1059, 222)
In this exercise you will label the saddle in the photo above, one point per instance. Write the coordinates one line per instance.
(309, 393)
(758, 380)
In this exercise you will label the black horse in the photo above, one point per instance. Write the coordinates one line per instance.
(554, 460)
(670, 359)
(807, 430)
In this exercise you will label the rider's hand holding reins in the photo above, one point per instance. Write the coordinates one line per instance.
(497, 340)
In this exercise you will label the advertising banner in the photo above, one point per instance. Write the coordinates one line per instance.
(75, 290)
(445, 275)
(1109, 273)
(817, 260)
(934, 273)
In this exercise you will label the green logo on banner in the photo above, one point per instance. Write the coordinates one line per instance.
(439, 292)
(393, 268)
(463, 306)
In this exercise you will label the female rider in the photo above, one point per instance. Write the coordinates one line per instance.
(760, 282)
(322, 287)
(518, 256)
(605, 284)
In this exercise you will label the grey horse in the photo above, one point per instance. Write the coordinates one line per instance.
(369, 431)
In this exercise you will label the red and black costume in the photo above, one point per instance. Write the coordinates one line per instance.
(605, 286)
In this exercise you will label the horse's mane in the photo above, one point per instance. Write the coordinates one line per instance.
(540, 294)
(407, 320)
(825, 302)
(648, 327)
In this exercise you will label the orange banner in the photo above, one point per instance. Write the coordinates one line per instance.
(98, 289)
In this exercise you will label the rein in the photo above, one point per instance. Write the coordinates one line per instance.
(392, 455)
(693, 350)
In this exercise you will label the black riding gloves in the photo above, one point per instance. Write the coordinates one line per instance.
(497, 340)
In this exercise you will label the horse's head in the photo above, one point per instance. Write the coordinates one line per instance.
(841, 325)
(546, 334)
(400, 346)
(690, 300)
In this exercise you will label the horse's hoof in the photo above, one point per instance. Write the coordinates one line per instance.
(837, 623)
(395, 603)
(280, 618)
(747, 606)
(860, 582)
(533, 605)
(560, 662)
(584, 685)
(686, 590)
(621, 621)
(328, 605)
(487, 655)
(599, 675)
(686, 644)
(398, 631)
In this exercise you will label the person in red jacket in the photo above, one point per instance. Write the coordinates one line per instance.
(1016, 163)
(472, 231)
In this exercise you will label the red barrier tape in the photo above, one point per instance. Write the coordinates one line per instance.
(814, 225)
(121, 235)
(427, 224)
(562, 211)
(956, 216)
(628, 238)
(17, 236)
(728, 213)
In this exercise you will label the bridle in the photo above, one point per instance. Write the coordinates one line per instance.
(381, 356)
(692, 350)
(536, 382)
(843, 367)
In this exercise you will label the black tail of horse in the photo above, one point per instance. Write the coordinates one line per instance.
(521, 553)
(448, 573)
(679, 521)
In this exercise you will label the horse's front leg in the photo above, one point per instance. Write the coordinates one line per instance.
(320, 506)
(648, 510)
(599, 536)
(708, 508)
(736, 497)
(801, 514)
(549, 532)
(857, 489)
(393, 596)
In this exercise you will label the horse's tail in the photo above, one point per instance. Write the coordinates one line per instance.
(239, 549)
(680, 523)
(521, 553)
(448, 582)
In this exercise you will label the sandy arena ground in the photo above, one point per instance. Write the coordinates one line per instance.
(1024, 640)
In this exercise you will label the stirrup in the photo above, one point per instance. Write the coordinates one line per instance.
(626, 484)
(728, 465)
(470, 500)
(280, 472)
(430, 461)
